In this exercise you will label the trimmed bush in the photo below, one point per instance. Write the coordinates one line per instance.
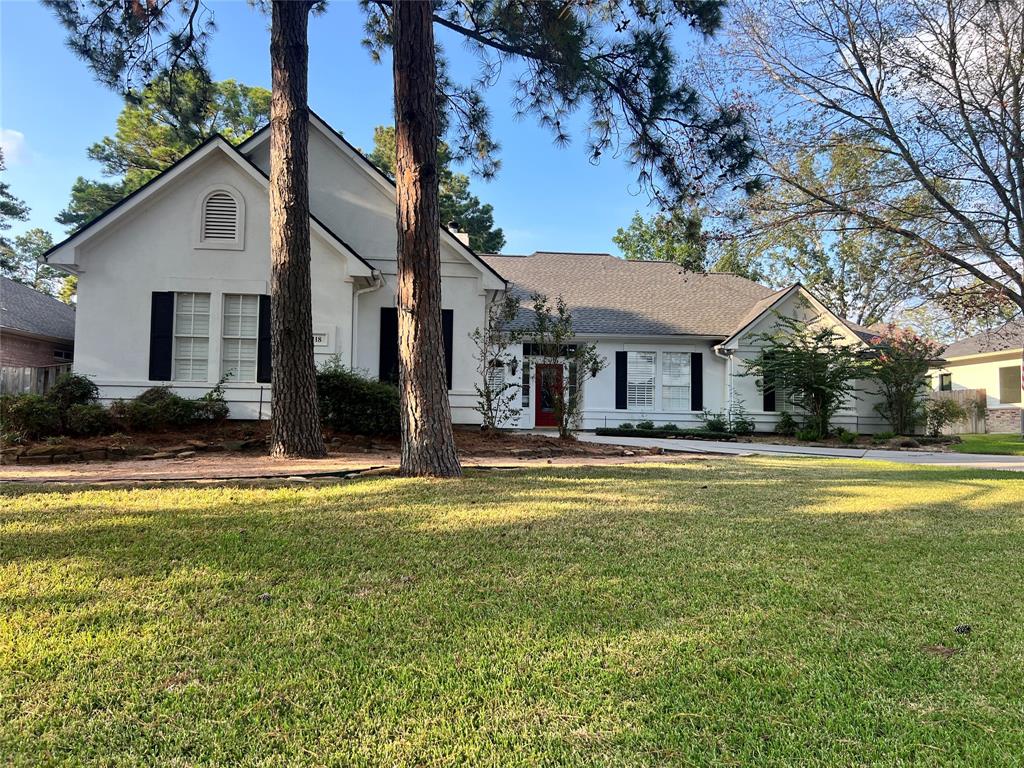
(696, 434)
(626, 425)
(29, 416)
(160, 408)
(356, 405)
(72, 389)
(847, 438)
(86, 419)
(645, 425)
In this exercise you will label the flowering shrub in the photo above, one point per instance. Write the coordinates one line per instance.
(901, 371)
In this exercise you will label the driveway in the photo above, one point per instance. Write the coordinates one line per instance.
(934, 458)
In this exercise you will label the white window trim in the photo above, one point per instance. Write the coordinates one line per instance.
(224, 337)
(238, 244)
(175, 336)
(633, 406)
(662, 385)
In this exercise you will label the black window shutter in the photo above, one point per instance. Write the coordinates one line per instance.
(263, 342)
(769, 398)
(696, 381)
(161, 336)
(447, 332)
(621, 376)
(388, 360)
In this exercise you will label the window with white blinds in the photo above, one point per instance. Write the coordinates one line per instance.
(240, 336)
(191, 336)
(221, 220)
(675, 381)
(640, 379)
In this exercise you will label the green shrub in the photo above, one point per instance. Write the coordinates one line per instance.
(86, 419)
(786, 425)
(847, 438)
(807, 434)
(740, 422)
(72, 389)
(626, 425)
(28, 416)
(212, 406)
(714, 422)
(940, 413)
(356, 405)
(160, 408)
(669, 427)
(645, 425)
(879, 437)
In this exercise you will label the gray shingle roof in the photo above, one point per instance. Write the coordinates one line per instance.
(26, 310)
(1009, 336)
(612, 296)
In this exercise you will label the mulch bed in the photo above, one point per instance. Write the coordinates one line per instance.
(237, 437)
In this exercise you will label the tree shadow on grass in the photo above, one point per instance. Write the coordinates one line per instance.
(673, 613)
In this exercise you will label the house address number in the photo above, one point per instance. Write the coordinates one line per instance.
(320, 340)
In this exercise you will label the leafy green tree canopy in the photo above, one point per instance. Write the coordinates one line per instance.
(159, 125)
(20, 262)
(455, 201)
(11, 208)
(675, 236)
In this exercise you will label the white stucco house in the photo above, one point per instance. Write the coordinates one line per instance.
(173, 289)
(991, 361)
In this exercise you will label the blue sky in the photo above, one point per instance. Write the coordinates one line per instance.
(51, 109)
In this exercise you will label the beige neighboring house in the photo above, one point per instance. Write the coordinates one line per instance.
(991, 361)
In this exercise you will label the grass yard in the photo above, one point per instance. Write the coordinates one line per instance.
(1002, 445)
(738, 612)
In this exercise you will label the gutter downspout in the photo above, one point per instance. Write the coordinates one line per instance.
(730, 361)
(378, 283)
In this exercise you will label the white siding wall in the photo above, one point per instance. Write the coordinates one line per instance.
(153, 249)
(361, 211)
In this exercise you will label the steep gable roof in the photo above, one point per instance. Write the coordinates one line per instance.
(385, 181)
(612, 296)
(29, 311)
(213, 144)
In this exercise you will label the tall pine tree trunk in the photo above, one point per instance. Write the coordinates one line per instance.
(428, 445)
(295, 429)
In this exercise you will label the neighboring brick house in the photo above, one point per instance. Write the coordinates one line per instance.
(37, 338)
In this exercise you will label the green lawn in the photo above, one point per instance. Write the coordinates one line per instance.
(739, 612)
(1003, 445)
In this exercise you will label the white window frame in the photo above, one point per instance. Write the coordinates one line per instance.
(236, 360)
(238, 243)
(674, 383)
(192, 336)
(641, 388)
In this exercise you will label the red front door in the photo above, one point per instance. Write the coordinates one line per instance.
(548, 385)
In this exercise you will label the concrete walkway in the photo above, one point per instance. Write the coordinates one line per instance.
(932, 458)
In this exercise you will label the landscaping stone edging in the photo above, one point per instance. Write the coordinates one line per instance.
(71, 454)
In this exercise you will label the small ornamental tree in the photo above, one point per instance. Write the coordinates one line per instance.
(497, 397)
(554, 339)
(813, 364)
(901, 372)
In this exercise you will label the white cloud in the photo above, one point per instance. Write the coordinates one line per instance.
(15, 147)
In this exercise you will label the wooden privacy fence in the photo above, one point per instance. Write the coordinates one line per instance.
(974, 402)
(16, 380)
